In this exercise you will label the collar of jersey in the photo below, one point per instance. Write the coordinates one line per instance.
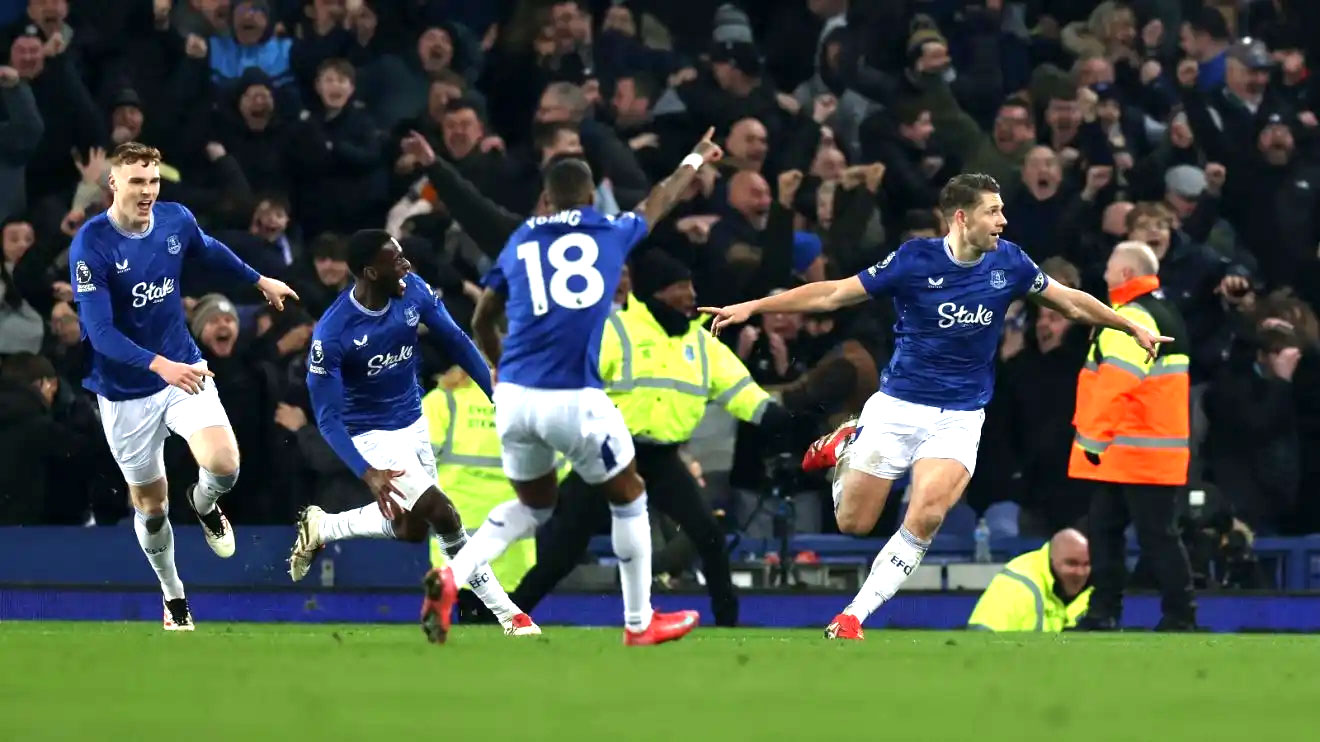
(961, 264)
(151, 224)
(1129, 290)
(364, 310)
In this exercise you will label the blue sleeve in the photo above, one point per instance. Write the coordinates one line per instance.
(630, 227)
(456, 342)
(215, 253)
(1030, 278)
(87, 273)
(327, 392)
(883, 277)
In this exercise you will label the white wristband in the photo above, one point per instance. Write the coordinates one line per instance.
(694, 161)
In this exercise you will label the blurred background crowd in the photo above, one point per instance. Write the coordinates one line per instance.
(1190, 125)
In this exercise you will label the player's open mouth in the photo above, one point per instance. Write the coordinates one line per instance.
(144, 205)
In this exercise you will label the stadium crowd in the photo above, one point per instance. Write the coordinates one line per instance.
(1189, 125)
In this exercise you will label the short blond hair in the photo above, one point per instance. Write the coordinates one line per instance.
(132, 153)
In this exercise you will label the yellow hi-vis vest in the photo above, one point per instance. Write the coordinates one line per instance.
(468, 469)
(1022, 598)
(661, 384)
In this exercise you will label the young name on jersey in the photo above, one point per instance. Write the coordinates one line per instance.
(559, 274)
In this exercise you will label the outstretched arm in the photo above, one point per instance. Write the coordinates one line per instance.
(1080, 306)
(667, 192)
(217, 254)
(821, 296)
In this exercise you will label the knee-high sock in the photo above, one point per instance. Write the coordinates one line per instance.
(483, 581)
(156, 537)
(630, 530)
(897, 561)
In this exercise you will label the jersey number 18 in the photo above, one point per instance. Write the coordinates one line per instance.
(584, 265)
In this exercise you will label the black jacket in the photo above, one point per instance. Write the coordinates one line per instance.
(340, 180)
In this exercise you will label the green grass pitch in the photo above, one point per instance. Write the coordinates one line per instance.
(248, 682)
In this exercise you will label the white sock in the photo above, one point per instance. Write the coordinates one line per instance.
(365, 522)
(508, 522)
(209, 488)
(159, 548)
(630, 531)
(483, 581)
(898, 560)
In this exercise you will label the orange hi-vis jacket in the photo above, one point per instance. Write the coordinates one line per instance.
(1131, 411)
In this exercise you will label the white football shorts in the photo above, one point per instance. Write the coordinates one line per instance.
(535, 425)
(407, 450)
(893, 434)
(136, 429)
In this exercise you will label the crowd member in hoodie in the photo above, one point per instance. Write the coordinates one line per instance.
(254, 44)
(339, 181)
(328, 276)
(251, 129)
(998, 153)
(849, 106)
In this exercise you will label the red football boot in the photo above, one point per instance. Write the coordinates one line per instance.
(845, 626)
(438, 604)
(828, 449)
(665, 627)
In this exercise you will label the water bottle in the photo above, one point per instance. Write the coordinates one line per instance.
(982, 538)
(327, 572)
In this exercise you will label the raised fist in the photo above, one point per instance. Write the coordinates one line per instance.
(1188, 70)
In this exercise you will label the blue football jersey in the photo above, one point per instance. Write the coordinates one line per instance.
(362, 368)
(949, 319)
(559, 273)
(374, 356)
(126, 286)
